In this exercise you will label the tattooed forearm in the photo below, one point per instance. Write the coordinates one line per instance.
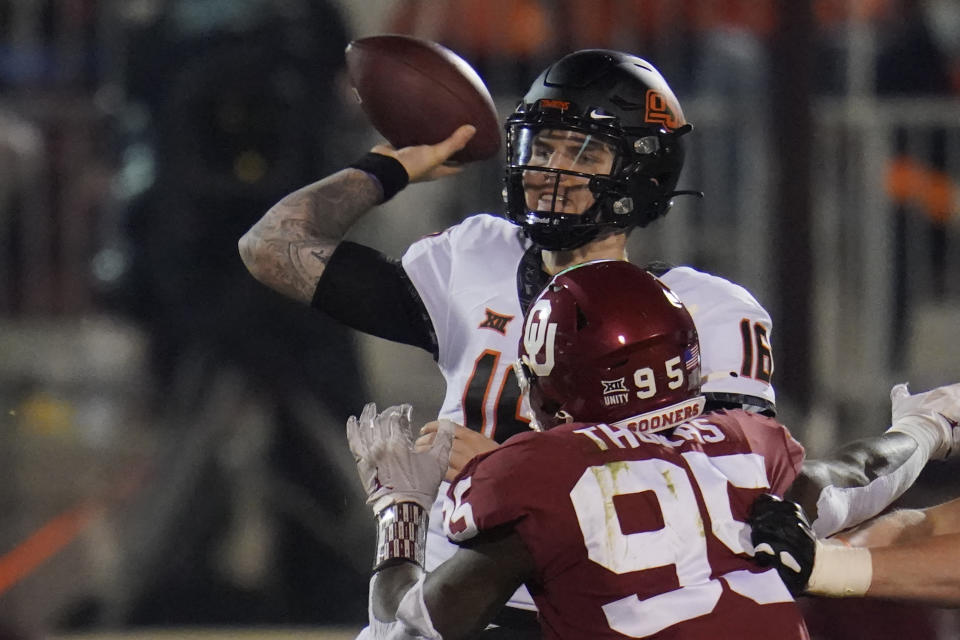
(289, 247)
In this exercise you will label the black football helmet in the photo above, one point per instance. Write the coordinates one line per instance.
(606, 98)
(606, 341)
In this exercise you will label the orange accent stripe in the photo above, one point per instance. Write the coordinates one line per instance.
(43, 544)
(518, 412)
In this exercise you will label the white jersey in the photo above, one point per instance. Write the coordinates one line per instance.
(467, 278)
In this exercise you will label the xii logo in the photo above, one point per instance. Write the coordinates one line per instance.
(496, 321)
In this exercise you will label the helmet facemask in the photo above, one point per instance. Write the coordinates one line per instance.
(566, 185)
(545, 413)
(553, 182)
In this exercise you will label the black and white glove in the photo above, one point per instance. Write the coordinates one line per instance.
(782, 538)
(390, 470)
(932, 418)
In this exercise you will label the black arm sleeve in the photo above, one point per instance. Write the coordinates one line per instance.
(370, 292)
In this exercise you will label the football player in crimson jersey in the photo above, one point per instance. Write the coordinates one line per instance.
(594, 149)
(625, 516)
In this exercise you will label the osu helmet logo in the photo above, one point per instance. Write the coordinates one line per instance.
(663, 110)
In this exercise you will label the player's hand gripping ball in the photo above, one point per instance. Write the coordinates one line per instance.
(418, 92)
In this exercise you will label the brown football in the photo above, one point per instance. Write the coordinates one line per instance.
(416, 91)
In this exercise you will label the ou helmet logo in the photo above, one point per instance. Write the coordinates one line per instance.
(539, 335)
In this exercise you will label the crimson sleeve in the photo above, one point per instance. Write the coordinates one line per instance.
(498, 487)
(783, 454)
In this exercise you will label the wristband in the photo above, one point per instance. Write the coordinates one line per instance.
(840, 571)
(386, 170)
(401, 534)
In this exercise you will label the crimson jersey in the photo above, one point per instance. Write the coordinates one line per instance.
(639, 535)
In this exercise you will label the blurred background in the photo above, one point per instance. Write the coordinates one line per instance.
(172, 457)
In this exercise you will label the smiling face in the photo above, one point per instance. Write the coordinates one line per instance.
(564, 150)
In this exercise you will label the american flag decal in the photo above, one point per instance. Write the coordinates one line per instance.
(693, 356)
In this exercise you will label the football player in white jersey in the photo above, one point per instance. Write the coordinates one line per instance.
(594, 150)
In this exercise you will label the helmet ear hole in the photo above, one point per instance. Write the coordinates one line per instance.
(623, 206)
(646, 146)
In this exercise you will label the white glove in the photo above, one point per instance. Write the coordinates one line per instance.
(390, 470)
(930, 417)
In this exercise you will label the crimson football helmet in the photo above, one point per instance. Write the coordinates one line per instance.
(607, 341)
(606, 100)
